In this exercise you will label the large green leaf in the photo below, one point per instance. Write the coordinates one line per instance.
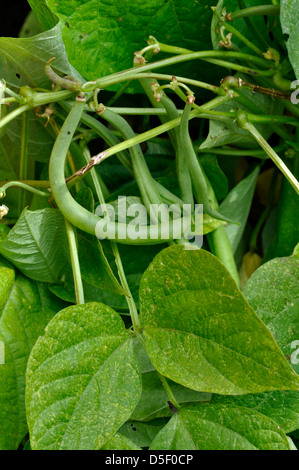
(83, 381)
(100, 36)
(289, 21)
(25, 309)
(36, 244)
(273, 292)
(286, 13)
(201, 332)
(220, 427)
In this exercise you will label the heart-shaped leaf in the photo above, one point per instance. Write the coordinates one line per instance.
(220, 427)
(83, 381)
(201, 332)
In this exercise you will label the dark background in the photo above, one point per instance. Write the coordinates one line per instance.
(12, 16)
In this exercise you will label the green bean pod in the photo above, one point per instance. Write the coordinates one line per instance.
(79, 216)
(184, 178)
(196, 172)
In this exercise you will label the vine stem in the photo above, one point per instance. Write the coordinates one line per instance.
(208, 55)
(23, 185)
(23, 158)
(245, 124)
(259, 10)
(14, 114)
(71, 236)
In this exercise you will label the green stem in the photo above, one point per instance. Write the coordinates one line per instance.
(169, 392)
(244, 124)
(19, 184)
(71, 236)
(33, 183)
(14, 114)
(204, 55)
(23, 158)
(259, 10)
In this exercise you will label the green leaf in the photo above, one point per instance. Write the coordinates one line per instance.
(281, 407)
(83, 381)
(87, 25)
(22, 61)
(25, 309)
(201, 332)
(220, 427)
(273, 292)
(36, 244)
(286, 13)
(289, 20)
(237, 205)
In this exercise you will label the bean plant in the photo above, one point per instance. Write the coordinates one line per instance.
(185, 340)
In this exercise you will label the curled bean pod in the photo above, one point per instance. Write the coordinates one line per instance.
(79, 216)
